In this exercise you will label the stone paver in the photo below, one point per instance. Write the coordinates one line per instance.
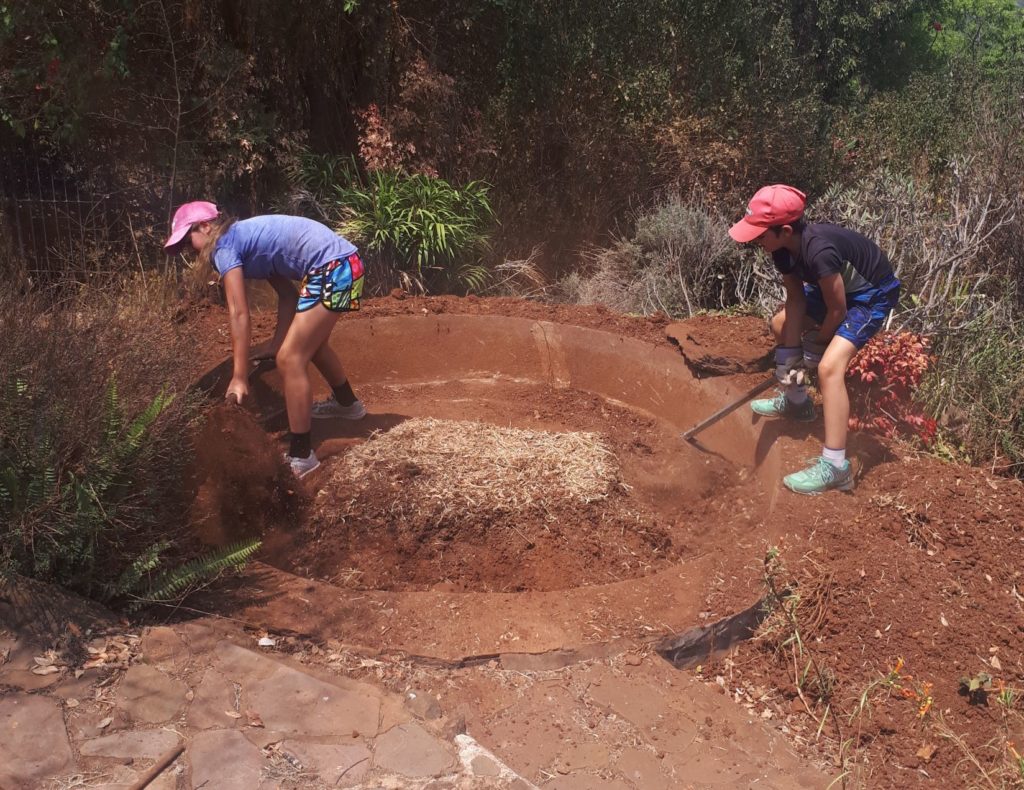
(423, 705)
(33, 742)
(163, 648)
(484, 766)
(225, 760)
(17, 669)
(148, 695)
(293, 702)
(615, 728)
(577, 757)
(132, 744)
(412, 751)
(337, 766)
(214, 695)
(634, 701)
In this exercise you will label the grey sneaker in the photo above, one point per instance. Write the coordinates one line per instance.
(819, 477)
(781, 406)
(302, 466)
(330, 408)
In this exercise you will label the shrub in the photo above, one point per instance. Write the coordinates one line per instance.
(679, 260)
(419, 231)
(939, 244)
(883, 381)
(95, 421)
(977, 388)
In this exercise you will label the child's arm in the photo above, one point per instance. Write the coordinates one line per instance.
(834, 293)
(287, 298)
(241, 331)
(796, 310)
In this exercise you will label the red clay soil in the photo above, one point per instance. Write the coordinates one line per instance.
(382, 537)
(241, 487)
(922, 562)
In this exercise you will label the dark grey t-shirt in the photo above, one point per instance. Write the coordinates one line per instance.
(829, 249)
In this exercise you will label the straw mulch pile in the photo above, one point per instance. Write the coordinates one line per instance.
(449, 464)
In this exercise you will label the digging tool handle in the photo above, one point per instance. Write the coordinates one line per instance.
(723, 412)
(158, 768)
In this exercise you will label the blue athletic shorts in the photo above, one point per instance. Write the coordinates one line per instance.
(866, 311)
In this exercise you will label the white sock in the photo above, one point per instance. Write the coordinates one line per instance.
(796, 393)
(835, 457)
(784, 357)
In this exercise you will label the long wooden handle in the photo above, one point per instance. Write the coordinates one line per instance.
(723, 412)
(158, 767)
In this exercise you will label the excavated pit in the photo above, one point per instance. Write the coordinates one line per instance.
(506, 464)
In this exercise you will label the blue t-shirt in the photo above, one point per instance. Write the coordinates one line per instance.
(278, 244)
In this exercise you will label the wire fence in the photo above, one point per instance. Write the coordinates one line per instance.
(60, 224)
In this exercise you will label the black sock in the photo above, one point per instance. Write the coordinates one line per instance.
(300, 445)
(343, 393)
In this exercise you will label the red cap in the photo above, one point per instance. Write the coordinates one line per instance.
(775, 205)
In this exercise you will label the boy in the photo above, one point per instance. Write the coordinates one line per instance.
(837, 281)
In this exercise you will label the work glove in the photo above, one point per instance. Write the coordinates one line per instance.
(814, 350)
(787, 364)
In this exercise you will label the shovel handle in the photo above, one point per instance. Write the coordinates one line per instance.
(727, 410)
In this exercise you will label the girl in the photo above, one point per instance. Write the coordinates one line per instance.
(281, 249)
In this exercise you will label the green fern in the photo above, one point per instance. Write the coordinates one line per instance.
(80, 507)
(138, 428)
(131, 577)
(171, 584)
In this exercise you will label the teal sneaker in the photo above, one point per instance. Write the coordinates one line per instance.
(819, 477)
(781, 406)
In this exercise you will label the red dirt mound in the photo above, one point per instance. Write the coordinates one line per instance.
(242, 487)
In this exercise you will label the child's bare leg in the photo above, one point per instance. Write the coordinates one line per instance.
(307, 334)
(832, 383)
(329, 364)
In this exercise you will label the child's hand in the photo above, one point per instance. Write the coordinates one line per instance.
(238, 390)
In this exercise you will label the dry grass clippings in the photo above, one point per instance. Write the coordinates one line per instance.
(485, 466)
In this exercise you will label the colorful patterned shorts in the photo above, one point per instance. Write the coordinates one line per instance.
(336, 285)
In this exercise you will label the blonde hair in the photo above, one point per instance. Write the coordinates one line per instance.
(220, 227)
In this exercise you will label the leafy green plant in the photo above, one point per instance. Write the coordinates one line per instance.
(419, 231)
(421, 228)
(174, 583)
(60, 512)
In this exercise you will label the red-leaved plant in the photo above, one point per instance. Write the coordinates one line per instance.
(882, 380)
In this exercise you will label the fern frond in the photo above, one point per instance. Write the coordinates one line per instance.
(171, 584)
(132, 575)
(133, 437)
(112, 414)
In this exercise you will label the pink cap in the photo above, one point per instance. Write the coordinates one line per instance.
(771, 206)
(186, 216)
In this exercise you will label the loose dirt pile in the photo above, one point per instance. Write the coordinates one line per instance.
(242, 487)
